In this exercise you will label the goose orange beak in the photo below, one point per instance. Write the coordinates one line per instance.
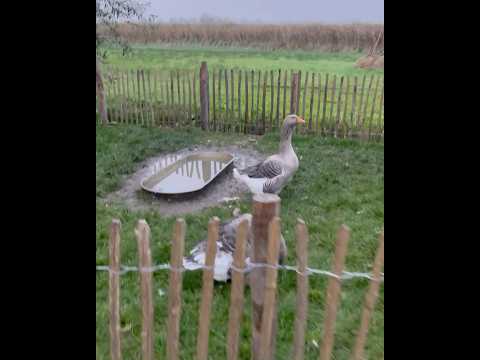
(300, 120)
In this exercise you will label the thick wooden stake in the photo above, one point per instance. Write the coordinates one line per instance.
(175, 290)
(265, 208)
(195, 108)
(284, 96)
(238, 127)
(102, 103)
(269, 310)
(204, 99)
(142, 232)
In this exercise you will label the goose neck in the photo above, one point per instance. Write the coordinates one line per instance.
(286, 140)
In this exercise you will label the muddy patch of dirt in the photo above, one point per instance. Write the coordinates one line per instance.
(221, 190)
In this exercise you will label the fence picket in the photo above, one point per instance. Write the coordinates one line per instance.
(207, 290)
(227, 103)
(114, 290)
(264, 99)
(370, 300)
(142, 233)
(333, 293)
(324, 109)
(240, 99)
(301, 237)
(343, 120)
(245, 129)
(339, 107)
(310, 119)
(304, 102)
(370, 122)
(285, 95)
(175, 290)
(272, 93)
(237, 292)
(332, 101)
(362, 93)
(318, 103)
(277, 117)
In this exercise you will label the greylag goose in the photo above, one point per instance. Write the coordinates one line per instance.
(271, 175)
(226, 248)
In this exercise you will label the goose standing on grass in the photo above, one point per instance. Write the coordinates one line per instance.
(226, 248)
(271, 175)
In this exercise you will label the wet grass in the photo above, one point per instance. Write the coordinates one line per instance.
(339, 181)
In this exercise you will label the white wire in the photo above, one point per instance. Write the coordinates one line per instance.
(346, 275)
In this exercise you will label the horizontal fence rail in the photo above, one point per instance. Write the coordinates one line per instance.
(248, 101)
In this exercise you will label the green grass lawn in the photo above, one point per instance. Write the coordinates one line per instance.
(163, 57)
(339, 181)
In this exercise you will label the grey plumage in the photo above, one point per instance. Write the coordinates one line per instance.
(267, 169)
(272, 174)
(226, 248)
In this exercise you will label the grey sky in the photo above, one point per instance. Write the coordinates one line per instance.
(328, 11)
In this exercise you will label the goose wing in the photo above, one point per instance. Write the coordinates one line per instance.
(275, 184)
(270, 168)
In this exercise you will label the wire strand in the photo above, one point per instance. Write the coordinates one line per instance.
(346, 275)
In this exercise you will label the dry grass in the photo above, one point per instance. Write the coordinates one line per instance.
(333, 38)
(371, 62)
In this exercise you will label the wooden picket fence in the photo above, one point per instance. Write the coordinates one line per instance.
(263, 283)
(247, 101)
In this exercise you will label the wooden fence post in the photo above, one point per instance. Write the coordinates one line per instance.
(301, 237)
(142, 232)
(265, 208)
(294, 94)
(175, 290)
(237, 292)
(204, 99)
(370, 300)
(207, 290)
(102, 103)
(333, 293)
(269, 310)
(114, 290)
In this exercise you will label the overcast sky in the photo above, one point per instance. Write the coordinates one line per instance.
(329, 11)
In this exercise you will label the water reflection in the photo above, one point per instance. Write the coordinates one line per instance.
(172, 175)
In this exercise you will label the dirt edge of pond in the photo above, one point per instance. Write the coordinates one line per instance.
(220, 191)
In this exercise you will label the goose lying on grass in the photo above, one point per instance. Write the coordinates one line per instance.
(226, 248)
